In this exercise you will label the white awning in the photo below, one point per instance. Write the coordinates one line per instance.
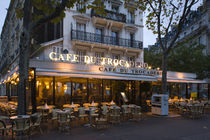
(184, 80)
(80, 74)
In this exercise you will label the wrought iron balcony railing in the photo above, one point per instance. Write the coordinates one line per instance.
(110, 15)
(132, 21)
(108, 40)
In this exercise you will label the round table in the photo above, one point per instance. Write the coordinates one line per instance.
(20, 116)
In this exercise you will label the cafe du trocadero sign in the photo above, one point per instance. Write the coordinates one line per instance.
(107, 64)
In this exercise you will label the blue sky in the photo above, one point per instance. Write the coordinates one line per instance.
(149, 37)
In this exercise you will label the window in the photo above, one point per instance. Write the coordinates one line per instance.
(81, 6)
(131, 40)
(98, 56)
(116, 56)
(131, 58)
(114, 38)
(131, 17)
(115, 8)
(81, 54)
(58, 50)
(99, 35)
(81, 28)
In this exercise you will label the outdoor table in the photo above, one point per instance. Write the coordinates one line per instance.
(89, 114)
(20, 116)
(13, 118)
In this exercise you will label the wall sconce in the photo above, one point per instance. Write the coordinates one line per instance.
(65, 87)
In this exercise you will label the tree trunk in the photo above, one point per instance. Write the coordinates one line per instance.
(164, 73)
(24, 56)
(23, 71)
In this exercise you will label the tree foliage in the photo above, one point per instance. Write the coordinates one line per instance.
(166, 19)
(183, 58)
(35, 13)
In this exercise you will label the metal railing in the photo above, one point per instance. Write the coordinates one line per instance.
(132, 21)
(110, 15)
(108, 40)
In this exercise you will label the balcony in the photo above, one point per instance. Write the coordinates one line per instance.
(107, 40)
(110, 15)
(131, 21)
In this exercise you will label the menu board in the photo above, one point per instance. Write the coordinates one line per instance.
(125, 99)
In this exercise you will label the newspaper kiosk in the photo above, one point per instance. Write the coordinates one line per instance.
(160, 104)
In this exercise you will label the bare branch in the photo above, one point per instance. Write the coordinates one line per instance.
(170, 22)
(153, 8)
(159, 25)
(185, 13)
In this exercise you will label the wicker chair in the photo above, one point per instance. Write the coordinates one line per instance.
(45, 114)
(126, 112)
(37, 123)
(196, 111)
(105, 110)
(93, 114)
(82, 114)
(114, 115)
(136, 113)
(63, 121)
(21, 125)
(4, 128)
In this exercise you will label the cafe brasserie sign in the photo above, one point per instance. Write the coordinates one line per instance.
(107, 64)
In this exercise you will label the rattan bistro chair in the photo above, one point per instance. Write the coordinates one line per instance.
(126, 112)
(136, 113)
(36, 124)
(82, 114)
(196, 111)
(63, 121)
(114, 115)
(21, 125)
(4, 128)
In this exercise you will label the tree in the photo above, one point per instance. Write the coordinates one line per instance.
(152, 56)
(166, 19)
(181, 59)
(193, 61)
(33, 14)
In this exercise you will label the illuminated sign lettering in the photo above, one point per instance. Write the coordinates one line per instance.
(107, 64)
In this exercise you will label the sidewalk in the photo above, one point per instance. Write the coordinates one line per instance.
(152, 128)
(172, 127)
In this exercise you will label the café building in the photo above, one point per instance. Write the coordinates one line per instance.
(90, 57)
